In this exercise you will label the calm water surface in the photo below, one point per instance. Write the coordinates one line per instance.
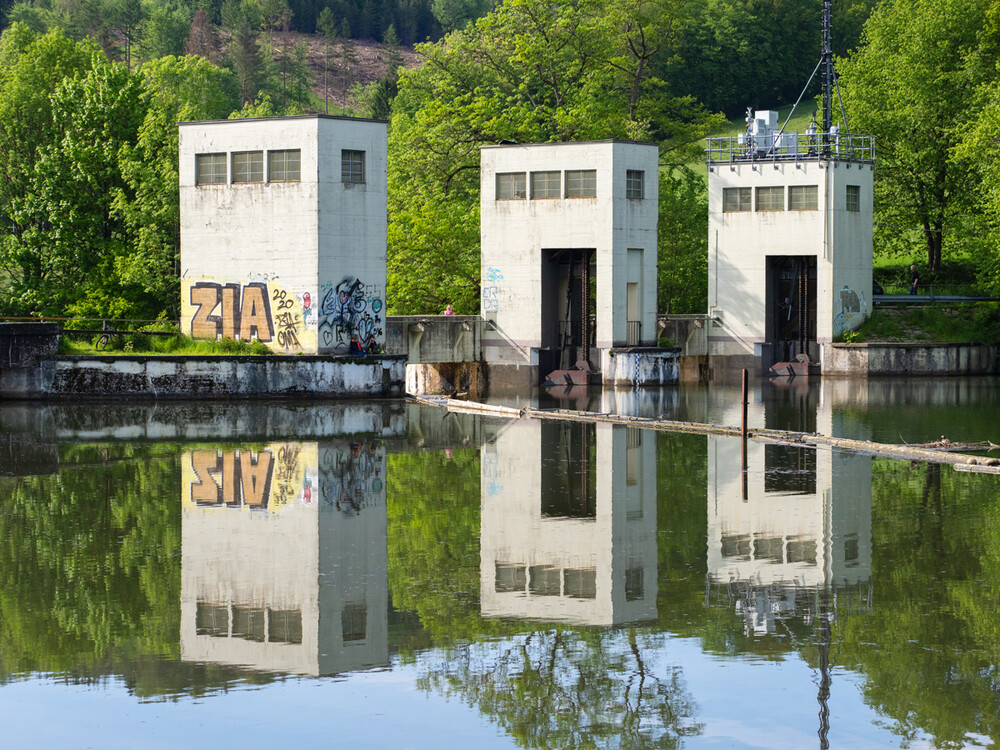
(386, 575)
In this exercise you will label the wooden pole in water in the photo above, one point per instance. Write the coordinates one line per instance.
(744, 429)
(743, 452)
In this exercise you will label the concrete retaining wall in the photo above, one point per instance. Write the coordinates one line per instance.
(909, 359)
(21, 343)
(629, 367)
(205, 377)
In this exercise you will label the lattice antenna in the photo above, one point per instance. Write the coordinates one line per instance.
(827, 62)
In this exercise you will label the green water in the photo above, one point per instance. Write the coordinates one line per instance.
(381, 575)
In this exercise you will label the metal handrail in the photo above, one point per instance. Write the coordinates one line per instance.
(782, 147)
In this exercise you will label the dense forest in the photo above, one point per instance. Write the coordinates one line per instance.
(91, 92)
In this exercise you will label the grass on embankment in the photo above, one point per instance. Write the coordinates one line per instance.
(972, 323)
(142, 342)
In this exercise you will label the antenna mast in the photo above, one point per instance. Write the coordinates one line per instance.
(828, 74)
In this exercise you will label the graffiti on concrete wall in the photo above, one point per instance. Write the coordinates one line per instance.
(353, 475)
(261, 310)
(850, 316)
(351, 317)
(491, 290)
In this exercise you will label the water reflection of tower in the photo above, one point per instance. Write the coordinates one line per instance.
(284, 557)
(804, 528)
(568, 523)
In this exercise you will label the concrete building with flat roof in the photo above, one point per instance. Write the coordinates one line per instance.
(283, 232)
(789, 242)
(569, 243)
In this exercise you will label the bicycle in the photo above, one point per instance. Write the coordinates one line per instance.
(105, 338)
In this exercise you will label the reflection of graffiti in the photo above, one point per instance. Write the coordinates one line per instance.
(491, 291)
(491, 471)
(243, 313)
(851, 304)
(351, 317)
(232, 478)
(353, 476)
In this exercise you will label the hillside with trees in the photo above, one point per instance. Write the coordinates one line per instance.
(91, 92)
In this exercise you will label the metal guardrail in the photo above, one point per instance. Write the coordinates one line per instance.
(784, 147)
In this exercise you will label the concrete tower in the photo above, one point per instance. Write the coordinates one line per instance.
(555, 218)
(283, 232)
(789, 243)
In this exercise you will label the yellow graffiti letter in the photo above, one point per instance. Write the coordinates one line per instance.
(205, 490)
(203, 324)
(256, 478)
(255, 314)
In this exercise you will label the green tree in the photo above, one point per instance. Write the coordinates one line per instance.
(455, 14)
(683, 242)
(164, 31)
(32, 67)
(911, 87)
(71, 227)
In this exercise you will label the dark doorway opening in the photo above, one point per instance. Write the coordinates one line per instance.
(569, 476)
(791, 316)
(567, 307)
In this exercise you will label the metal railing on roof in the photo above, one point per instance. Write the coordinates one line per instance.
(790, 147)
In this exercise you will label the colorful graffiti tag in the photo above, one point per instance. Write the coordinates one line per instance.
(491, 290)
(260, 310)
(351, 317)
(850, 316)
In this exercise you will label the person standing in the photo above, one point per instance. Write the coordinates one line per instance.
(449, 311)
(914, 279)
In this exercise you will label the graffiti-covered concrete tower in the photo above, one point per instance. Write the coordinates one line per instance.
(283, 232)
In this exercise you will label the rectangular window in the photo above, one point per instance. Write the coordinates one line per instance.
(510, 186)
(284, 166)
(581, 183)
(770, 199)
(635, 184)
(248, 166)
(352, 167)
(803, 198)
(736, 199)
(545, 185)
(853, 197)
(209, 169)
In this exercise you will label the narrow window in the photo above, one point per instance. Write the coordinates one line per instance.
(248, 166)
(209, 169)
(352, 167)
(545, 185)
(284, 166)
(853, 197)
(770, 199)
(736, 199)
(635, 184)
(581, 183)
(510, 186)
(803, 198)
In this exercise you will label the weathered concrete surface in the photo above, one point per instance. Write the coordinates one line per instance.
(640, 366)
(205, 377)
(434, 339)
(446, 377)
(22, 343)
(861, 360)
